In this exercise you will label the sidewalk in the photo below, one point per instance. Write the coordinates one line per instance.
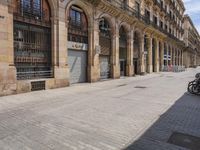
(137, 113)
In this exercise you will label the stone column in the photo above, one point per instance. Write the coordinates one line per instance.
(176, 57)
(185, 59)
(59, 42)
(156, 55)
(195, 59)
(149, 47)
(171, 55)
(179, 58)
(167, 48)
(115, 53)
(182, 58)
(129, 64)
(7, 69)
(142, 61)
(162, 55)
(93, 56)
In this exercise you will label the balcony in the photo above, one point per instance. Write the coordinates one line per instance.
(121, 6)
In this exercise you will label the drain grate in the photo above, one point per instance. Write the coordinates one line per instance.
(185, 140)
(121, 85)
(169, 76)
(140, 87)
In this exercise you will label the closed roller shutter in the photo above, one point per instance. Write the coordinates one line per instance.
(104, 67)
(77, 61)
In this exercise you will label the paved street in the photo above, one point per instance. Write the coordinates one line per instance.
(137, 113)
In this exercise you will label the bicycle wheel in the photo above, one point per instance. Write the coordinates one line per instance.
(190, 86)
(189, 89)
(195, 89)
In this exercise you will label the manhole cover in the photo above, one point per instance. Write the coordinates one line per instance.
(140, 87)
(184, 140)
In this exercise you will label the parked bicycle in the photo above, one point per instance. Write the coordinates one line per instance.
(194, 86)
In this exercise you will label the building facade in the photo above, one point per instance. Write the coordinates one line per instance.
(192, 42)
(48, 44)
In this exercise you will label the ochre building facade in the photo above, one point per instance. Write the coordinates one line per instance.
(192, 43)
(47, 44)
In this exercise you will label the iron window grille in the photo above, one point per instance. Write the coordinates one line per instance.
(32, 41)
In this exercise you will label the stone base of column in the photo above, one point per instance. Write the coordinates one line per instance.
(115, 71)
(129, 70)
(157, 68)
(61, 75)
(7, 79)
(149, 69)
(142, 70)
(93, 73)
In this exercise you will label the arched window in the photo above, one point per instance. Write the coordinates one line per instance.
(78, 26)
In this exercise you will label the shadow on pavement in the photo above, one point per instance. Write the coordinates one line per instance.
(179, 125)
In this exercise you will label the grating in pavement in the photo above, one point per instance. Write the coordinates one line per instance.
(185, 140)
(140, 87)
(169, 76)
(121, 85)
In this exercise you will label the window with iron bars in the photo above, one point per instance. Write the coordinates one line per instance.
(32, 42)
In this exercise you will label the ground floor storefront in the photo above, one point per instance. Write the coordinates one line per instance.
(44, 50)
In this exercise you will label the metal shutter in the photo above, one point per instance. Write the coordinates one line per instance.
(77, 61)
(104, 67)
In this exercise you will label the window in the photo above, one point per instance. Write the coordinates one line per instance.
(137, 7)
(75, 18)
(31, 8)
(162, 4)
(155, 20)
(147, 15)
(161, 24)
(78, 30)
(166, 27)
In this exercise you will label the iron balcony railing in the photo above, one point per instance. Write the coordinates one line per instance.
(132, 12)
(36, 72)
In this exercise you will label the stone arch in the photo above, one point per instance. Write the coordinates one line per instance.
(109, 19)
(126, 28)
(78, 33)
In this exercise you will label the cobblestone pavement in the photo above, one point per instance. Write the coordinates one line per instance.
(137, 113)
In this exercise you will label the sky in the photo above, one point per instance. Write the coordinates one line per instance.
(193, 9)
